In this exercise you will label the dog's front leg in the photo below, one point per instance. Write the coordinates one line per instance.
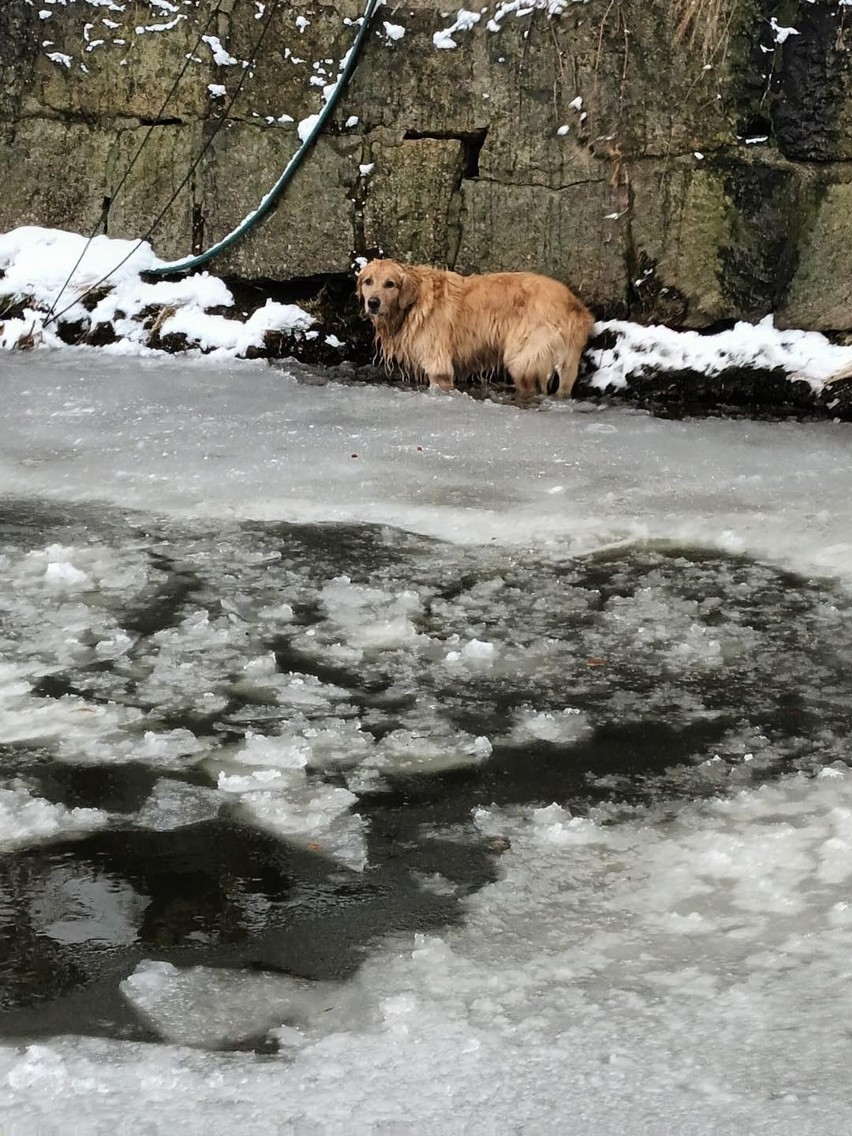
(439, 372)
(443, 382)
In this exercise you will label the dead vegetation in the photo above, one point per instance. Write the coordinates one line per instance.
(705, 24)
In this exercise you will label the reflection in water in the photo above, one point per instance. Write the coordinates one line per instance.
(75, 906)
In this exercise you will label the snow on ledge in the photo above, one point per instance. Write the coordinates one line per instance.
(466, 20)
(35, 264)
(806, 355)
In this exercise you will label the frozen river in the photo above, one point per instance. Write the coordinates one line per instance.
(377, 762)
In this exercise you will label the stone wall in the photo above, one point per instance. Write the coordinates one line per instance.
(688, 173)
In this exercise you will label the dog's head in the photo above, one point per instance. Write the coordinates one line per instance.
(386, 289)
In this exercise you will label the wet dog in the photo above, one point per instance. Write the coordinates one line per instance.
(439, 325)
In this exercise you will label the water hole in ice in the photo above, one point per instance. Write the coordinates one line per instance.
(259, 748)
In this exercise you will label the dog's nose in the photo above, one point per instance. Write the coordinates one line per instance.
(374, 303)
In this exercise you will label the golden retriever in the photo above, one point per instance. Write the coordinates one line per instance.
(440, 325)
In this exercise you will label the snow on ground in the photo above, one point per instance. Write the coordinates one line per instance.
(36, 263)
(802, 354)
(465, 20)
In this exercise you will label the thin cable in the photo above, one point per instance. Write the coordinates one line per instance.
(153, 125)
(169, 96)
(220, 123)
(269, 201)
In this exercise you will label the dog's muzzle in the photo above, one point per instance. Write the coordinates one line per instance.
(373, 304)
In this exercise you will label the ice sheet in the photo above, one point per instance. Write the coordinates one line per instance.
(209, 440)
(679, 967)
(642, 976)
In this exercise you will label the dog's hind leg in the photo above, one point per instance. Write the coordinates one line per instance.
(533, 370)
(567, 358)
(442, 382)
(525, 379)
(529, 361)
(565, 375)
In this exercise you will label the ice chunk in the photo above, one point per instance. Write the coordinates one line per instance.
(404, 752)
(475, 651)
(63, 573)
(174, 804)
(29, 819)
(556, 825)
(273, 753)
(214, 1009)
(299, 809)
(562, 727)
(76, 721)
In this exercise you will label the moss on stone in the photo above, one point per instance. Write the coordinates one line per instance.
(820, 294)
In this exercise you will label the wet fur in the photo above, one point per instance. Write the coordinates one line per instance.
(440, 326)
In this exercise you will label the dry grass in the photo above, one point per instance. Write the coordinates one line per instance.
(705, 23)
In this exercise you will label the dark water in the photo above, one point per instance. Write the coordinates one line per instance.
(670, 656)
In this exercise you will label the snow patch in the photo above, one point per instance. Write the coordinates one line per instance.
(464, 21)
(38, 262)
(221, 57)
(808, 355)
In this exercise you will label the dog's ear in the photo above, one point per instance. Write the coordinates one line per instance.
(359, 285)
(408, 290)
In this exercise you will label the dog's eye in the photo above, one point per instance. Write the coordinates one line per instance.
(368, 281)
(390, 284)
